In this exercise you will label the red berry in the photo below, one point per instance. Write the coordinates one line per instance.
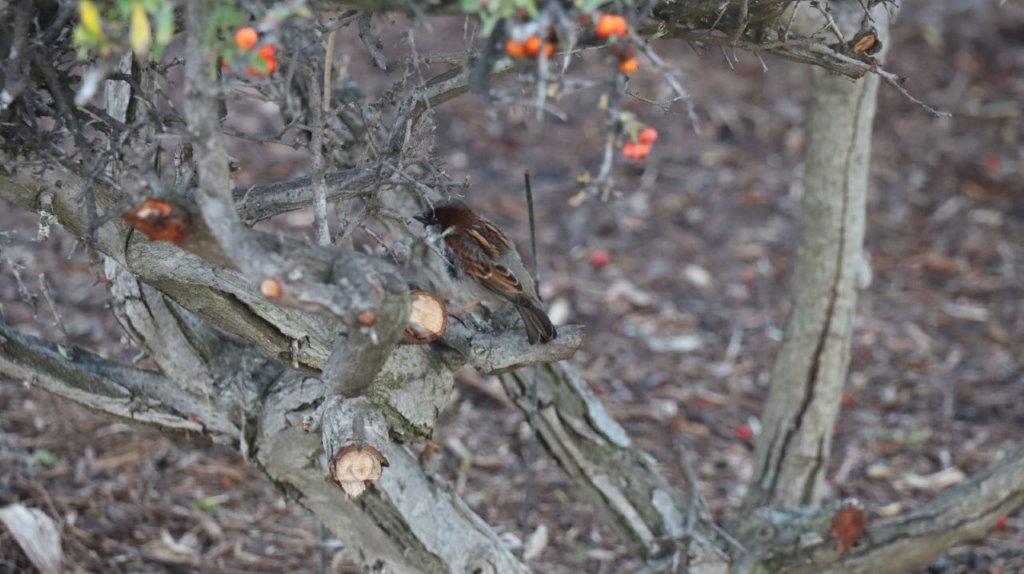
(599, 258)
(848, 400)
(992, 163)
(648, 135)
(744, 432)
(1002, 522)
(268, 52)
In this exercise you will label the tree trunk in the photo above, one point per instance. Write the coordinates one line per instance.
(809, 371)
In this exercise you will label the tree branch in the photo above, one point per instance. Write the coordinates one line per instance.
(103, 386)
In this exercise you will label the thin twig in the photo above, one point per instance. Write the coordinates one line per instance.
(669, 76)
(44, 288)
(531, 445)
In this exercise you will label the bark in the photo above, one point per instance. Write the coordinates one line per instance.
(809, 371)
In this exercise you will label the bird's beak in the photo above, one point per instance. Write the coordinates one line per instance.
(423, 218)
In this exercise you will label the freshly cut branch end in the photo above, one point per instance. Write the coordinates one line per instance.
(271, 288)
(159, 220)
(367, 318)
(428, 319)
(356, 467)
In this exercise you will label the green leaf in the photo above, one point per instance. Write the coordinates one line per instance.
(164, 28)
(488, 22)
(208, 504)
(44, 458)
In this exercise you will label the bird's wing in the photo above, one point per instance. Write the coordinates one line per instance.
(478, 254)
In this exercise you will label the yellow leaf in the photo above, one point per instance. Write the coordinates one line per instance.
(139, 36)
(89, 15)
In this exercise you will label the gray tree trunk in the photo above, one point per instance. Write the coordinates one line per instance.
(810, 369)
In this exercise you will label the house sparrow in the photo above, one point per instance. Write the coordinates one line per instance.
(479, 250)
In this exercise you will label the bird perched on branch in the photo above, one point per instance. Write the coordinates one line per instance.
(478, 250)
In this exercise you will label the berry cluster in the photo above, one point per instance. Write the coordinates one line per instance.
(613, 26)
(260, 63)
(640, 148)
(532, 46)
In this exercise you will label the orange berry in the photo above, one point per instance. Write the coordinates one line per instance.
(246, 38)
(254, 72)
(648, 136)
(515, 49)
(642, 150)
(549, 49)
(268, 51)
(628, 66)
(271, 65)
(532, 46)
(610, 25)
(629, 150)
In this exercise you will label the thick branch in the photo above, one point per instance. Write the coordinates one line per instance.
(495, 353)
(622, 479)
(405, 523)
(101, 385)
(372, 333)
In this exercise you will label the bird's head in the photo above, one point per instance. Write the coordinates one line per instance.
(446, 215)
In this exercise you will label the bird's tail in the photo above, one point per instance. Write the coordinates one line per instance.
(538, 326)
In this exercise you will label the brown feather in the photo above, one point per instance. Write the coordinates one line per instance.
(480, 250)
